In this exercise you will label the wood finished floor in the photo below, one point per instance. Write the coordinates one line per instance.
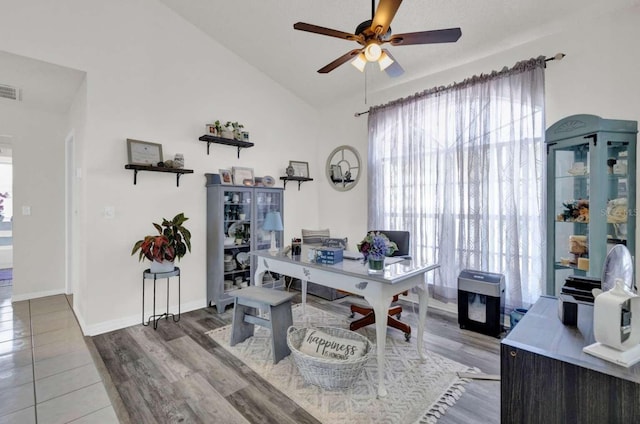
(177, 374)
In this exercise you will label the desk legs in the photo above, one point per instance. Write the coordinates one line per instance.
(380, 309)
(303, 287)
(423, 299)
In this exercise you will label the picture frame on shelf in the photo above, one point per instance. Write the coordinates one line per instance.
(212, 130)
(242, 176)
(336, 173)
(226, 177)
(300, 169)
(143, 152)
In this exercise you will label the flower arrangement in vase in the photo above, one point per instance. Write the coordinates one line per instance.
(374, 247)
(172, 241)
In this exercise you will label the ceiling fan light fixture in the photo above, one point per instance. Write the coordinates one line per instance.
(359, 62)
(385, 61)
(373, 51)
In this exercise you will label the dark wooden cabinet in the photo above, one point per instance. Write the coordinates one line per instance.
(546, 378)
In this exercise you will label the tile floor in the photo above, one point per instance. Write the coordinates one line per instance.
(47, 374)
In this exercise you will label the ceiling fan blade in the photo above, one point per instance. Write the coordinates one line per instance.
(426, 37)
(301, 26)
(394, 70)
(384, 15)
(339, 61)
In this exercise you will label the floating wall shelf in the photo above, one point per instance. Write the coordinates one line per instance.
(177, 171)
(226, 141)
(300, 180)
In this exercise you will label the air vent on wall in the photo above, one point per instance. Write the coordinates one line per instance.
(9, 92)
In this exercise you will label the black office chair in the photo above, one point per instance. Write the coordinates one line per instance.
(401, 239)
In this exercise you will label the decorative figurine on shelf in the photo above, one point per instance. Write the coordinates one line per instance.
(178, 161)
(290, 171)
(212, 129)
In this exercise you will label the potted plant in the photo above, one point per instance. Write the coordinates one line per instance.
(172, 241)
(375, 247)
(237, 130)
(227, 130)
(239, 234)
(218, 127)
(214, 129)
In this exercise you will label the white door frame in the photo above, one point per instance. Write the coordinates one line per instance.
(70, 214)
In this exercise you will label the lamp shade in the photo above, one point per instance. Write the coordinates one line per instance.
(359, 62)
(273, 222)
(385, 61)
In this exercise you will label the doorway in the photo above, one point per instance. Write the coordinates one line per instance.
(6, 216)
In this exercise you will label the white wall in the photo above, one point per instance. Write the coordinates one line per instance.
(38, 174)
(151, 76)
(598, 76)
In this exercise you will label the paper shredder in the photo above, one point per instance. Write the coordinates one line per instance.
(481, 302)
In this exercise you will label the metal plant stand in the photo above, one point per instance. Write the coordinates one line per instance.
(147, 274)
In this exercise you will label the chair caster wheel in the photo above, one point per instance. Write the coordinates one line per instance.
(398, 316)
(352, 314)
(407, 336)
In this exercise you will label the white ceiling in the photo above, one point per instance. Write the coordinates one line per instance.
(261, 32)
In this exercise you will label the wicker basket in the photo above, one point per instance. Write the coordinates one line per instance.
(328, 373)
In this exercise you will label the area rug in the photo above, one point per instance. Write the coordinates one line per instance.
(419, 392)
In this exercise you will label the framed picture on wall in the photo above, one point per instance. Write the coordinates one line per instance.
(225, 177)
(143, 152)
(300, 169)
(242, 176)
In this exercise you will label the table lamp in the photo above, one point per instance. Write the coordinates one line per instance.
(273, 223)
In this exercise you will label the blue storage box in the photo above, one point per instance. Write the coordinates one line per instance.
(329, 255)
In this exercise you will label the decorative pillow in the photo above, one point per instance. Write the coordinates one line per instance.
(322, 345)
(314, 236)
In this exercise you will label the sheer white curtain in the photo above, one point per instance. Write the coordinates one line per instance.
(462, 168)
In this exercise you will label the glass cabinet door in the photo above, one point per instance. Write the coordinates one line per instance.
(617, 209)
(237, 229)
(267, 201)
(571, 206)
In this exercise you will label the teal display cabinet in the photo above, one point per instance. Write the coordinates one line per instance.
(591, 194)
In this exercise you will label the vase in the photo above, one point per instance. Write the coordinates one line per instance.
(158, 267)
(178, 161)
(376, 265)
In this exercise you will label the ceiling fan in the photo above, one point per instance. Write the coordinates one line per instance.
(372, 34)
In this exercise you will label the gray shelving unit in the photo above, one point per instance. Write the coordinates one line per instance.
(606, 148)
(222, 217)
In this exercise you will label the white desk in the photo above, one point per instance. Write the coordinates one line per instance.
(353, 276)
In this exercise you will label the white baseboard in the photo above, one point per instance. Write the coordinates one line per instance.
(117, 324)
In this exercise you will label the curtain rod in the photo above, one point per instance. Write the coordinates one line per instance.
(558, 56)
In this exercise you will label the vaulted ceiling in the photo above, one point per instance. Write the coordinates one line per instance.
(261, 32)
